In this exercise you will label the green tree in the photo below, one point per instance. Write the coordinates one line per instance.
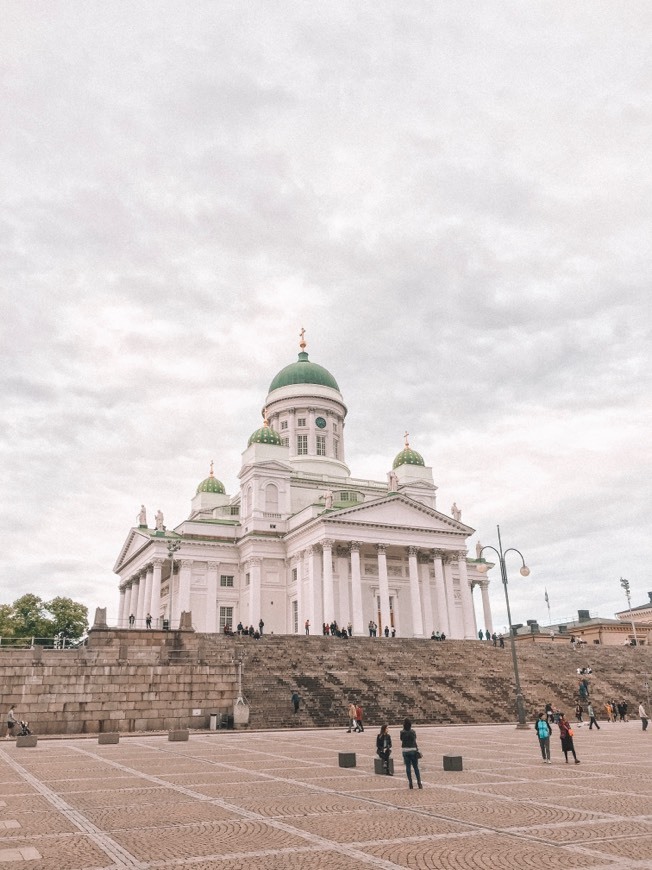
(29, 618)
(68, 617)
(6, 620)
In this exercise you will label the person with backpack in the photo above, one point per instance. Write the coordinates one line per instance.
(543, 733)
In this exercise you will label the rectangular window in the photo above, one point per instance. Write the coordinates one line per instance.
(226, 580)
(334, 428)
(301, 421)
(284, 424)
(247, 579)
(285, 442)
(336, 448)
(302, 445)
(294, 575)
(295, 615)
(321, 445)
(226, 618)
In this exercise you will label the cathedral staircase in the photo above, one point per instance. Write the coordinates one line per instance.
(435, 682)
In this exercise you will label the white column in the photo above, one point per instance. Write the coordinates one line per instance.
(441, 609)
(133, 602)
(121, 607)
(468, 614)
(301, 618)
(327, 574)
(184, 588)
(486, 607)
(424, 565)
(129, 589)
(155, 604)
(210, 622)
(255, 571)
(456, 629)
(140, 611)
(343, 574)
(356, 589)
(383, 587)
(313, 611)
(149, 580)
(415, 596)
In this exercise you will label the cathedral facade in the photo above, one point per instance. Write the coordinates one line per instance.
(304, 542)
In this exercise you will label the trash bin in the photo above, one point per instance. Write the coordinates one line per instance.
(166, 625)
(229, 721)
(212, 724)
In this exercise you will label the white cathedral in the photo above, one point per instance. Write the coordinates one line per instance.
(302, 540)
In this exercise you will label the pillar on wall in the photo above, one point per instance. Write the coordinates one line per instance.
(254, 567)
(442, 623)
(468, 613)
(121, 608)
(454, 621)
(424, 564)
(185, 573)
(327, 575)
(415, 595)
(486, 606)
(383, 586)
(149, 582)
(155, 603)
(344, 610)
(356, 589)
(210, 623)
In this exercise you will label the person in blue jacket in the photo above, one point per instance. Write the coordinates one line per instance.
(543, 733)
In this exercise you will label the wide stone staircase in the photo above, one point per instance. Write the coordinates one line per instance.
(429, 681)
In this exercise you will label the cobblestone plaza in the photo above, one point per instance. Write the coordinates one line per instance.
(279, 799)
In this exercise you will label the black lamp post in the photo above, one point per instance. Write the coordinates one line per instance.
(483, 568)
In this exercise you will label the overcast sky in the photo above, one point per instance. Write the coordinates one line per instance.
(454, 199)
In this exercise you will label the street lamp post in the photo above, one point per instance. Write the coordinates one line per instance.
(483, 568)
(625, 584)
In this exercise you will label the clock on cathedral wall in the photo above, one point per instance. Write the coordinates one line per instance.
(320, 422)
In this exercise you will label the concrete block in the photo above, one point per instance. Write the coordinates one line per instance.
(108, 737)
(181, 734)
(346, 759)
(452, 762)
(379, 768)
(27, 740)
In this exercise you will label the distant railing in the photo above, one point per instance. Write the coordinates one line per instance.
(59, 641)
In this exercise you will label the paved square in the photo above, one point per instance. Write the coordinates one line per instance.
(279, 800)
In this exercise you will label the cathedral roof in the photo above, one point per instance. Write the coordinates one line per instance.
(408, 456)
(264, 435)
(211, 484)
(303, 372)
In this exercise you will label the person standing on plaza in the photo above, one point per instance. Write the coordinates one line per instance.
(11, 722)
(566, 734)
(643, 716)
(295, 701)
(261, 626)
(592, 720)
(543, 733)
(384, 748)
(579, 712)
(410, 752)
(352, 713)
(358, 717)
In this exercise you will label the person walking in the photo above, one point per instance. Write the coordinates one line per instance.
(566, 734)
(643, 716)
(295, 701)
(11, 723)
(358, 718)
(579, 712)
(384, 748)
(352, 713)
(410, 752)
(592, 720)
(543, 733)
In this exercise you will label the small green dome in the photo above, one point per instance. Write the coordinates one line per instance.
(264, 435)
(407, 456)
(211, 484)
(303, 372)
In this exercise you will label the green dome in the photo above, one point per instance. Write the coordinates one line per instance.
(407, 456)
(303, 372)
(264, 435)
(211, 484)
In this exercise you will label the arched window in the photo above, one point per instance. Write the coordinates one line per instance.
(271, 498)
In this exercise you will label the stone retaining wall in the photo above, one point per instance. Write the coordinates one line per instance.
(121, 681)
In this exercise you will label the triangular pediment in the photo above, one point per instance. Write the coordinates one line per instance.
(397, 510)
(264, 466)
(136, 541)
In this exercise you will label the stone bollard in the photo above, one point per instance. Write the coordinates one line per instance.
(108, 737)
(180, 734)
(379, 767)
(346, 759)
(26, 740)
(452, 762)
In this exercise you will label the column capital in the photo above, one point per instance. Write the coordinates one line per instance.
(381, 549)
(327, 544)
(448, 556)
(355, 546)
(158, 561)
(412, 551)
(254, 562)
(462, 554)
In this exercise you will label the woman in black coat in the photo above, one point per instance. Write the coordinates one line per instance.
(410, 752)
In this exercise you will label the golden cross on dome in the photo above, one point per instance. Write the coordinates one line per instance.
(302, 343)
(407, 443)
